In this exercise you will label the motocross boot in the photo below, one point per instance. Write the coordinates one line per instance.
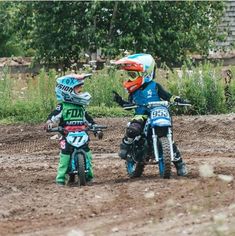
(178, 162)
(62, 168)
(181, 168)
(124, 148)
(71, 180)
(176, 152)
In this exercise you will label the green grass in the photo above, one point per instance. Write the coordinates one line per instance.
(32, 103)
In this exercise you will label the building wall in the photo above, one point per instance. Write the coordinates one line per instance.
(228, 22)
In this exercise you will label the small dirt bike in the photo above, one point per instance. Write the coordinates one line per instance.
(154, 145)
(78, 140)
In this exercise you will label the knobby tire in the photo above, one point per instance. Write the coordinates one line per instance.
(166, 157)
(137, 171)
(81, 169)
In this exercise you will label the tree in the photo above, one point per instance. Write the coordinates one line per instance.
(169, 30)
(8, 43)
(185, 27)
(53, 29)
(60, 31)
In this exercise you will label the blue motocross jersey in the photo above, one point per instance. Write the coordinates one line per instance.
(149, 93)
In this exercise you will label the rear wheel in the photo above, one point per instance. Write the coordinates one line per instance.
(164, 158)
(134, 169)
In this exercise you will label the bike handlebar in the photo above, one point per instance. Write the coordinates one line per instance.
(153, 104)
(93, 128)
(56, 129)
(97, 127)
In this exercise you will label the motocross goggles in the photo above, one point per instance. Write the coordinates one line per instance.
(133, 75)
(78, 89)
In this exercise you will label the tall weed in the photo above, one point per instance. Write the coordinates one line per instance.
(5, 92)
(40, 92)
(202, 85)
(232, 90)
(101, 85)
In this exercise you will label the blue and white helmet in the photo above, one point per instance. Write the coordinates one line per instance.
(65, 89)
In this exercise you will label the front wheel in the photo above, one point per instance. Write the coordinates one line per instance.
(81, 168)
(164, 158)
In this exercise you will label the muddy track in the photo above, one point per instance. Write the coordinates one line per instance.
(31, 203)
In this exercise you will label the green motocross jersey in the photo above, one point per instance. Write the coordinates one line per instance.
(72, 112)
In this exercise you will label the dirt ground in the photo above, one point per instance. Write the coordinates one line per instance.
(31, 203)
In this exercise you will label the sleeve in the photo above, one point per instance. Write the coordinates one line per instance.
(56, 114)
(163, 94)
(89, 118)
(130, 99)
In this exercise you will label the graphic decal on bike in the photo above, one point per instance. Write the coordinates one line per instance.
(160, 116)
(77, 139)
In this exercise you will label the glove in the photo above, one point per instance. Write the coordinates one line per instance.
(179, 100)
(117, 98)
(99, 134)
(48, 125)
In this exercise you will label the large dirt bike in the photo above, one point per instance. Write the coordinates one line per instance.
(78, 140)
(154, 145)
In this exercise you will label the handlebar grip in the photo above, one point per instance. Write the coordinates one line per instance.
(129, 106)
(184, 104)
(56, 129)
(87, 75)
(100, 127)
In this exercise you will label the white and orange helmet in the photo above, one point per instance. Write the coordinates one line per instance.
(140, 68)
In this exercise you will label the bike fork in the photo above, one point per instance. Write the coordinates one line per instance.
(169, 136)
(155, 148)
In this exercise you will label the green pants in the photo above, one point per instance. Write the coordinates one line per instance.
(62, 168)
(64, 164)
(90, 173)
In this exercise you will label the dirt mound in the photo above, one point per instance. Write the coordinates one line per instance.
(31, 203)
(15, 61)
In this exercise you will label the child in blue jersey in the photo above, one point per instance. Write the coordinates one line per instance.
(142, 89)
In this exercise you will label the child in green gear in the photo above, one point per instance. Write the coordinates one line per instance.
(70, 113)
